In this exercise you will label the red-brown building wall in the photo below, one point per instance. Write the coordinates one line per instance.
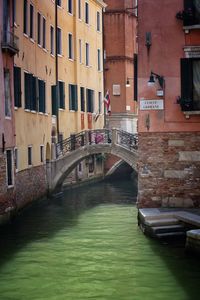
(169, 139)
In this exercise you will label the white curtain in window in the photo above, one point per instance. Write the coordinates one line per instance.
(197, 8)
(196, 82)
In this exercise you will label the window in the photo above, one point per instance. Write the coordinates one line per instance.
(82, 93)
(80, 51)
(191, 15)
(41, 153)
(99, 59)
(42, 95)
(44, 34)
(70, 46)
(17, 86)
(86, 13)
(7, 93)
(73, 101)
(52, 40)
(25, 17)
(31, 21)
(39, 29)
(190, 84)
(59, 41)
(16, 159)
(14, 11)
(29, 155)
(98, 21)
(62, 94)
(9, 167)
(70, 6)
(79, 9)
(59, 2)
(99, 102)
(54, 105)
(87, 54)
(90, 100)
(30, 91)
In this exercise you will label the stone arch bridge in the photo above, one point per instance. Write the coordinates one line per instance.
(77, 147)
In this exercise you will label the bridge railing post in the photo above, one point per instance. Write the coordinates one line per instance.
(87, 140)
(114, 136)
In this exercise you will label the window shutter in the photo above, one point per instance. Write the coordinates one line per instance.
(33, 93)
(189, 17)
(92, 101)
(186, 84)
(70, 96)
(17, 86)
(42, 96)
(53, 100)
(75, 97)
(87, 100)
(27, 90)
(62, 94)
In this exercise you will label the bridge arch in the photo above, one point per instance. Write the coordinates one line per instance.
(63, 166)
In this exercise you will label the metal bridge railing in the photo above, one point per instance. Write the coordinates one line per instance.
(98, 136)
(127, 140)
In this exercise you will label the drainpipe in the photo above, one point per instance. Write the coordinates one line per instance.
(56, 70)
(104, 58)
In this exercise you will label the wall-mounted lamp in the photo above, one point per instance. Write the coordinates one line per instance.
(154, 76)
(128, 81)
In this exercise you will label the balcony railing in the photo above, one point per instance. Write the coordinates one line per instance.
(10, 42)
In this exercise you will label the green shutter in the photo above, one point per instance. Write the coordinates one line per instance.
(53, 100)
(62, 94)
(75, 98)
(27, 90)
(17, 86)
(186, 84)
(33, 93)
(42, 96)
(70, 97)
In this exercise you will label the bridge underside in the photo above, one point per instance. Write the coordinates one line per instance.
(59, 169)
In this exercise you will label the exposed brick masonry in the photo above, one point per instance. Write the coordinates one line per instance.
(169, 169)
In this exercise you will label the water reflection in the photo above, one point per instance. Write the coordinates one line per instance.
(86, 245)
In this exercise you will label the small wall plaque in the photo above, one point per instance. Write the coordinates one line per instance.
(157, 104)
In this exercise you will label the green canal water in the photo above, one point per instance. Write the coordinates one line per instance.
(86, 245)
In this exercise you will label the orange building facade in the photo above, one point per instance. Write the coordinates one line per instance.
(169, 103)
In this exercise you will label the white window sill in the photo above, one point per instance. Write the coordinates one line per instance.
(32, 40)
(60, 55)
(191, 27)
(192, 113)
(10, 186)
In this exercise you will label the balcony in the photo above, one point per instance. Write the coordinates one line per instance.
(10, 42)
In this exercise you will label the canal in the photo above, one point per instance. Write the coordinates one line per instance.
(86, 245)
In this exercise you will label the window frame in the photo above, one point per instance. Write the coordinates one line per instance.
(70, 46)
(87, 54)
(9, 172)
(31, 22)
(87, 14)
(30, 156)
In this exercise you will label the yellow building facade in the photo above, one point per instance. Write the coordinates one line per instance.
(79, 75)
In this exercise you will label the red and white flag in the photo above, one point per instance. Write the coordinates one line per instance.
(107, 103)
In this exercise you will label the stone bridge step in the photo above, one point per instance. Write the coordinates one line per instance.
(162, 222)
(170, 234)
(168, 229)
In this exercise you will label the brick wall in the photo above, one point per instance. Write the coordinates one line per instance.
(169, 169)
(30, 185)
